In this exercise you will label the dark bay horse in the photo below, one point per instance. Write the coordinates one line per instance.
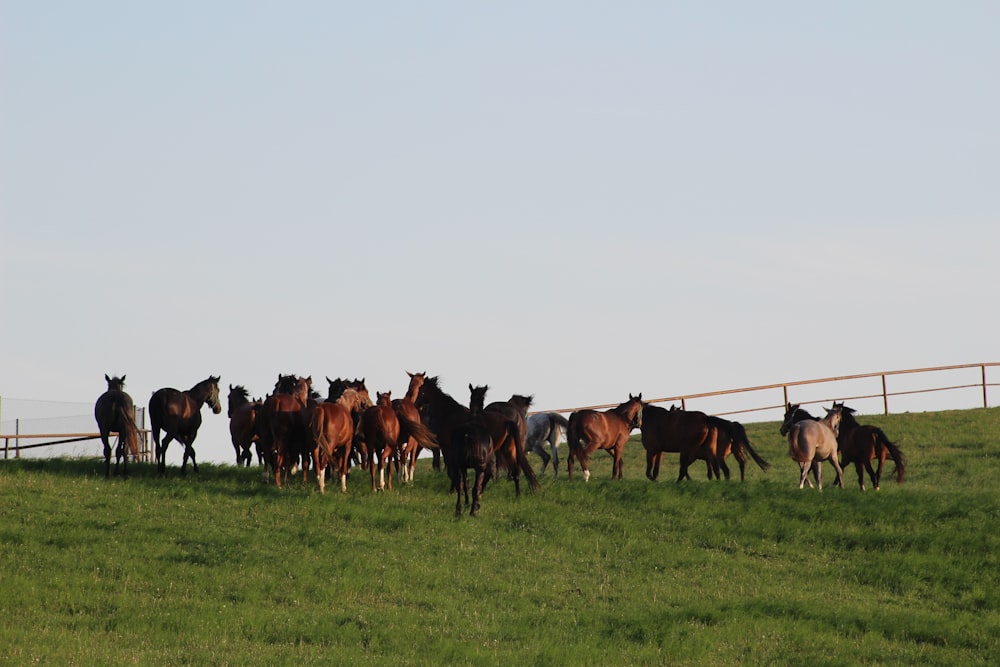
(546, 427)
(811, 441)
(115, 413)
(450, 421)
(280, 424)
(242, 423)
(332, 428)
(608, 430)
(178, 414)
(686, 432)
(859, 444)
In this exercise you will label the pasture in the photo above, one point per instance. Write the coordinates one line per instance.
(219, 568)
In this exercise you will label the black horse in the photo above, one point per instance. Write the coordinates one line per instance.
(178, 413)
(115, 413)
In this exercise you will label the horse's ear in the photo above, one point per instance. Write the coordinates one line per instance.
(106, 378)
(123, 382)
(471, 387)
(230, 387)
(328, 379)
(409, 373)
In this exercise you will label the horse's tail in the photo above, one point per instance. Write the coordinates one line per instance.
(558, 421)
(522, 458)
(739, 434)
(131, 434)
(317, 427)
(895, 452)
(423, 435)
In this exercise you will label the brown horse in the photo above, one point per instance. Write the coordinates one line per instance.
(608, 430)
(178, 413)
(686, 432)
(242, 426)
(115, 413)
(331, 426)
(859, 444)
(380, 426)
(732, 439)
(414, 434)
(280, 425)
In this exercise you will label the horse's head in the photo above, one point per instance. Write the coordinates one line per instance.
(522, 403)
(213, 394)
(115, 383)
(790, 410)
(635, 403)
(477, 397)
(285, 384)
(383, 398)
(833, 417)
(238, 396)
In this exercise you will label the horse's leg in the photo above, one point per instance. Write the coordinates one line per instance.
(477, 490)
(817, 468)
(161, 453)
(720, 462)
(107, 453)
(684, 467)
(859, 468)
(650, 458)
(840, 471)
(537, 449)
(804, 474)
(877, 476)
(554, 446)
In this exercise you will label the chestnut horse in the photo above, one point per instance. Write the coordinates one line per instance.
(414, 434)
(686, 432)
(810, 442)
(380, 426)
(242, 427)
(115, 413)
(859, 444)
(608, 430)
(331, 426)
(178, 413)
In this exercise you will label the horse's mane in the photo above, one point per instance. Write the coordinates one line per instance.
(432, 383)
(240, 390)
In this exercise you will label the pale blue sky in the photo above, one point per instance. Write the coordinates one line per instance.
(576, 200)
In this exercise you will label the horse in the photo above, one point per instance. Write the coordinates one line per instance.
(473, 449)
(450, 420)
(380, 426)
(810, 442)
(280, 424)
(514, 410)
(178, 413)
(331, 425)
(859, 444)
(545, 426)
(732, 438)
(686, 432)
(115, 412)
(414, 434)
(608, 430)
(242, 423)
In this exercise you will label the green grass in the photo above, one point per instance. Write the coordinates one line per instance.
(219, 568)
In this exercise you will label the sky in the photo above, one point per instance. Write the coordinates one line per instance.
(572, 200)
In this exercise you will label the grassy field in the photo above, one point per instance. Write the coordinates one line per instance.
(221, 569)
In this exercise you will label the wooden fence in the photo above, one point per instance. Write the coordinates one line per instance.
(52, 439)
(772, 390)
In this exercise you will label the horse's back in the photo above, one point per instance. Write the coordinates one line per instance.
(810, 439)
(110, 408)
(672, 430)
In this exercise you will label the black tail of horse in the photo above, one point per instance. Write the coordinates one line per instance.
(894, 451)
(743, 439)
(522, 457)
(738, 435)
(423, 435)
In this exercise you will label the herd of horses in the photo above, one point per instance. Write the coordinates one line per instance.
(294, 427)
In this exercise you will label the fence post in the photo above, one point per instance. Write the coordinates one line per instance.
(784, 390)
(17, 439)
(985, 403)
(885, 396)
